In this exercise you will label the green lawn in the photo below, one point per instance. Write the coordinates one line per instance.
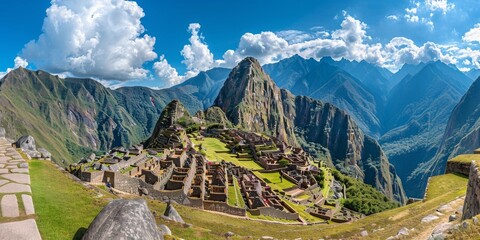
(235, 195)
(465, 158)
(64, 207)
(328, 179)
(273, 180)
(217, 151)
(439, 185)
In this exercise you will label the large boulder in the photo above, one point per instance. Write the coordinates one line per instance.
(124, 219)
(2, 132)
(26, 143)
(172, 214)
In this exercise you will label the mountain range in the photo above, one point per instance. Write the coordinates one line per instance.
(405, 112)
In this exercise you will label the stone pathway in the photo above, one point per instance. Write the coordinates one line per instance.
(15, 196)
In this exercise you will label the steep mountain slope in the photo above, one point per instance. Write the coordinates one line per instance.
(288, 71)
(327, 82)
(473, 74)
(73, 116)
(462, 134)
(415, 118)
(257, 104)
(251, 100)
(407, 69)
(205, 86)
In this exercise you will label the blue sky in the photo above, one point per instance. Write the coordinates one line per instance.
(160, 43)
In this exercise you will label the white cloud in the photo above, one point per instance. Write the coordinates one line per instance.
(166, 72)
(393, 18)
(422, 12)
(473, 35)
(196, 54)
(442, 5)
(17, 62)
(103, 39)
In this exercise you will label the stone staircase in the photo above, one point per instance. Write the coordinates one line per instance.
(17, 212)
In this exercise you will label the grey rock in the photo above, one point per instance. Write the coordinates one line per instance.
(26, 143)
(44, 153)
(465, 225)
(229, 234)
(475, 220)
(172, 214)
(403, 231)
(2, 132)
(441, 228)
(165, 230)
(364, 233)
(91, 157)
(452, 217)
(124, 219)
(439, 236)
(23, 165)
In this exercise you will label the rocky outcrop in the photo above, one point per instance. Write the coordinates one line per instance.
(173, 113)
(172, 214)
(27, 145)
(124, 219)
(471, 206)
(252, 101)
(215, 115)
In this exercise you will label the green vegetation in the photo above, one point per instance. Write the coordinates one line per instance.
(215, 150)
(235, 195)
(441, 184)
(64, 207)
(465, 158)
(273, 179)
(362, 197)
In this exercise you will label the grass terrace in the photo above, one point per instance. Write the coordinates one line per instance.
(273, 180)
(465, 158)
(235, 195)
(64, 208)
(217, 151)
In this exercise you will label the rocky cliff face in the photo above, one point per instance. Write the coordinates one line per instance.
(321, 128)
(252, 101)
(462, 134)
(347, 147)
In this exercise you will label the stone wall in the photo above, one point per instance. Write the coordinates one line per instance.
(471, 207)
(273, 212)
(458, 167)
(123, 183)
(91, 177)
(224, 208)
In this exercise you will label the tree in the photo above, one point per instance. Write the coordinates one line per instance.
(283, 162)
